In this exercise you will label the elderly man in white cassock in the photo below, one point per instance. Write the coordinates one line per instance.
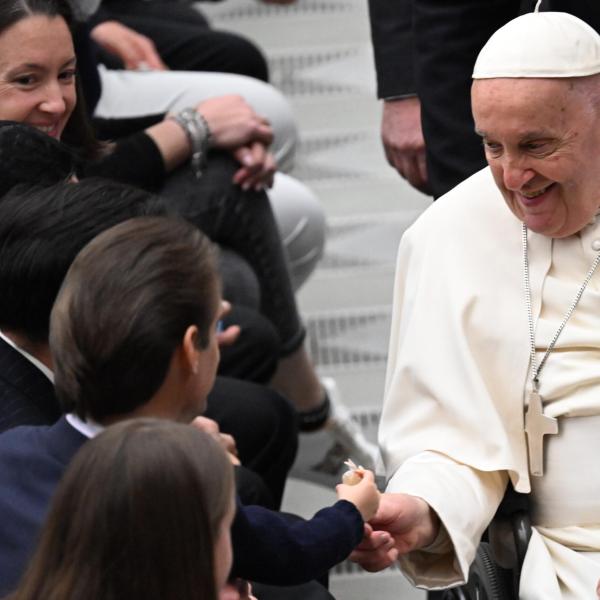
(494, 365)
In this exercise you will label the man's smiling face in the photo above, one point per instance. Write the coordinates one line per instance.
(542, 142)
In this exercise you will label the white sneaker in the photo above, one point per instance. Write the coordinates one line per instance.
(350, 441)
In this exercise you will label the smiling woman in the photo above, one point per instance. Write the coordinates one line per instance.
(37, 74)
(38, 85)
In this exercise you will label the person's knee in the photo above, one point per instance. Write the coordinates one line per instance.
(249, 58)
(301, 221)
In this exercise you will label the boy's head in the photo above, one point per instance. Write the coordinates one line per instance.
(41, 231)
(136, 320)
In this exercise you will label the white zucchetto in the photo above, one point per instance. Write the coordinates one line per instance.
(540, 44)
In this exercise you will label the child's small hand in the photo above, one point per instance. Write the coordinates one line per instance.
(364, 495)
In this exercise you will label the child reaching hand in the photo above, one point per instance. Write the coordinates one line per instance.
(281, 549)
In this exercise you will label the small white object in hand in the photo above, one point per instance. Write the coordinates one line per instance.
(354, 475)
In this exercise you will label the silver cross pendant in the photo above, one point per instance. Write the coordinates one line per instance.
(537, 425)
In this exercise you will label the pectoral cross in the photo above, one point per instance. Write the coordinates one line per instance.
(537, 425)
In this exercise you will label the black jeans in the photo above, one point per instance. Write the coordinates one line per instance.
(244, 222)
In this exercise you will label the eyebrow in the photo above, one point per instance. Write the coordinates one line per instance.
(528, 135)
(67, 63)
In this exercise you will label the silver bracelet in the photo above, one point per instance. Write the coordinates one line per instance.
(199, 135)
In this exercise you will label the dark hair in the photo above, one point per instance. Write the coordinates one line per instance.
(28, 155)
(13, 11)
(41, 232)
(123, 310)
(78, 131)
(135, 516)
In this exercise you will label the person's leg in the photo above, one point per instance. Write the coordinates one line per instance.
(251, 488)
(264, 426)
(255, 354)
(185, 40)
(301, 221)
(136, 93)
(240, 286)
(242, 221)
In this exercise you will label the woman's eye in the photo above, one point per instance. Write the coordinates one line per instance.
(24, 79)
(68, 75)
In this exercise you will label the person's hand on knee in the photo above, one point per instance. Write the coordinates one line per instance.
(258, 167)
(233, 123)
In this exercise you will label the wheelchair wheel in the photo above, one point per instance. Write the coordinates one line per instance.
(486, 580)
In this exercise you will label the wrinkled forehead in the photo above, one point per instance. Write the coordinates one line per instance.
(530, 91)
(524, 106)
(554, 101)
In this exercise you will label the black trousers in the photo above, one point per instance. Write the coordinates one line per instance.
(255, 354)
(242, 221)
(185, 40)
(264, 426)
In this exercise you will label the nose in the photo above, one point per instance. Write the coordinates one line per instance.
(515, 174)
(54, 100)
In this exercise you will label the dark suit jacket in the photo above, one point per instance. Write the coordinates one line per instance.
(26, 394)
(32, 460)
(393, 45)
(448, 35)
(268, 546)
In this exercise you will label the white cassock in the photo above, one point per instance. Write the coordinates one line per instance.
(452, 424)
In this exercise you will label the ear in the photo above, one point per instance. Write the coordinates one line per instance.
(191, 348)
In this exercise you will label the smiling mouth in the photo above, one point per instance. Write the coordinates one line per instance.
(531, 195)
(47, 129)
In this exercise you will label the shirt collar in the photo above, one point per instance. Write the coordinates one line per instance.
(90, 429)
(32, 359)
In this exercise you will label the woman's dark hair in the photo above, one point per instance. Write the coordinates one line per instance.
(78, 131)
(136, 516)
(123, 310)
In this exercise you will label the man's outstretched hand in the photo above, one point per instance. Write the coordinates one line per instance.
(403, 523)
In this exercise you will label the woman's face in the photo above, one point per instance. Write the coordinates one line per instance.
(37, 73)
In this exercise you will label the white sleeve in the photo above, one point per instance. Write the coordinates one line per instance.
(465, 500)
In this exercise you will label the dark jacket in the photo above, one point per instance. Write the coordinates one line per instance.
(26, 394)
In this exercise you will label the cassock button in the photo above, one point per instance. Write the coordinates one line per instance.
(596, 245)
